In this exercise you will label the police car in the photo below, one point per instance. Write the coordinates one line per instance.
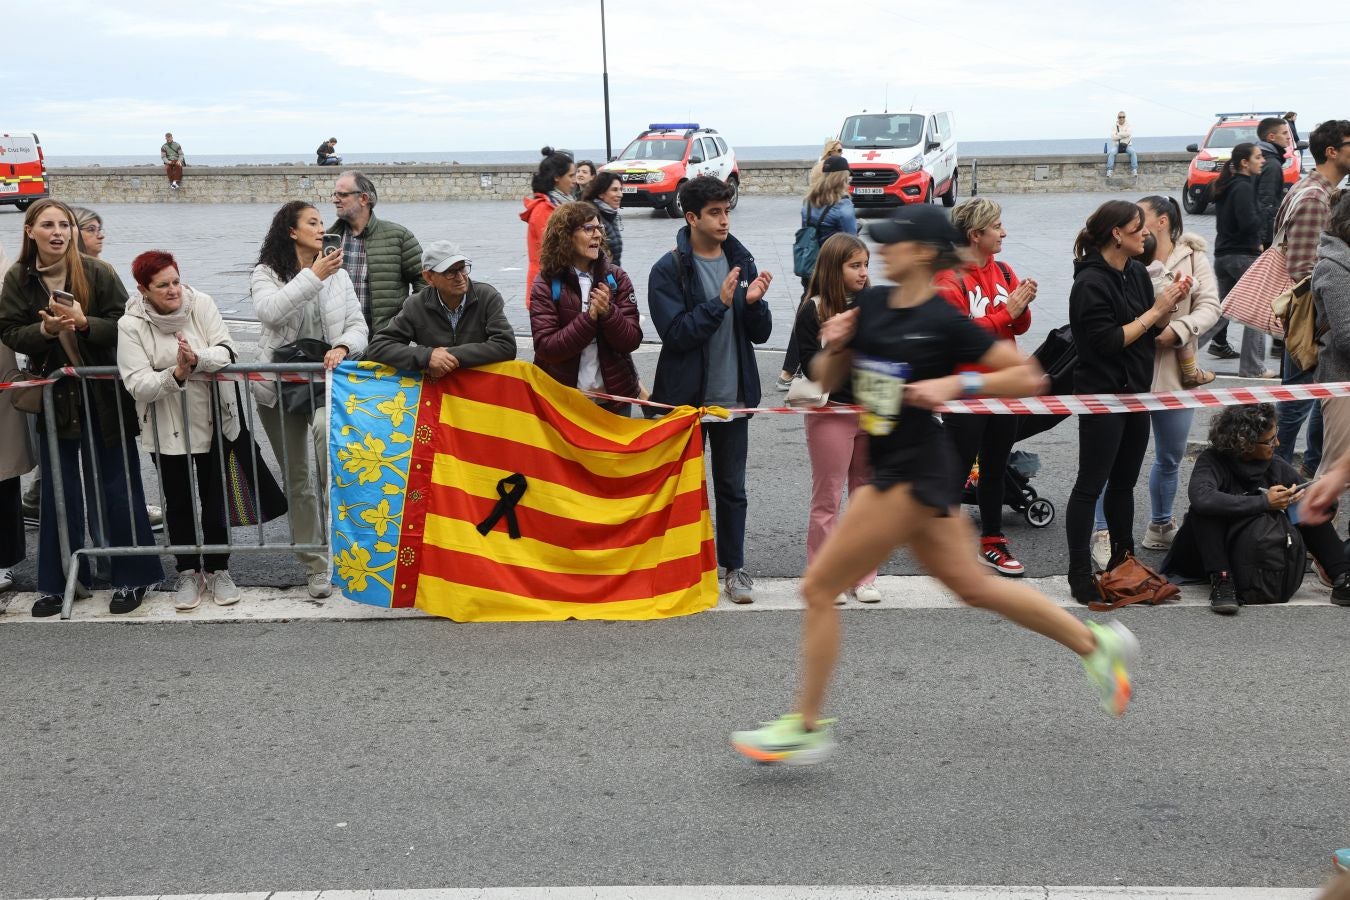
(667, 155)
(898, 158)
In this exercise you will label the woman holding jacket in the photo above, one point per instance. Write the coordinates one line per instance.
(169, 332)
(583, 312)
(1115, 318)
(299, 292)
(79, 329)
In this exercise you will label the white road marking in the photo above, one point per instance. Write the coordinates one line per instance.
(772, 892)
(899, 592)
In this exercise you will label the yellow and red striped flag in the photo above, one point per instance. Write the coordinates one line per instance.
(497, 494)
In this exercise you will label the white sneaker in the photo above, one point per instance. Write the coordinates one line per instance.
(320, 585)
(188, 593)
(1101, 549)
(842, 599)
(156, 516)
(222, 588)
(867, 593)
(739, 587)
(6, 579)
(1159, 537)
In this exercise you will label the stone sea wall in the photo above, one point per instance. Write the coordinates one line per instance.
(396, 184)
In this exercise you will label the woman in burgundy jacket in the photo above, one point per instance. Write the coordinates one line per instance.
(583, 312)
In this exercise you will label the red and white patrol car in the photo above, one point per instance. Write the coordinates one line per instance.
(667, 155)
(23, 172)
(898, 158)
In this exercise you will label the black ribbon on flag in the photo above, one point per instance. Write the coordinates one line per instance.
(510, 489)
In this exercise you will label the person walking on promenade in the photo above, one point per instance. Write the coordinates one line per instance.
(906, 341)
(988, 292)
(171, 155)
(326, 155)
(297, 293)
(833, 147)
(452, 323)
(1238, 227)
(1116, 318)
(1121, 140)
(380, 256)
(828, 208)
(16, 460)
(835, 443)
(705, 298)
(1302, 224)
(169, 332)
(1236, 479)
(585, 174)
(606, 192)
(1274, 140)
(1331, 294)
(583, 310)
(552, 185)
(61, 309)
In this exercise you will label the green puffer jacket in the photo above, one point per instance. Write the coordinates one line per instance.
(393, 266)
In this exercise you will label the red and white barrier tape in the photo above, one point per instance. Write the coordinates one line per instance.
(215, 376)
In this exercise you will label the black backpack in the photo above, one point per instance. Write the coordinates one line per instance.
(1268, 557)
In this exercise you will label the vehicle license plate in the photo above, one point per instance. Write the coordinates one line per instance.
(630, 190)
(9, 188)
(869, 190)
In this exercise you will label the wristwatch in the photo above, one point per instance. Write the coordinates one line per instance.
(972, 383)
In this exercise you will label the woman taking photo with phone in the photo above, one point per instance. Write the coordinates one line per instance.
(552, 184)
(299, 292)
(169, 332)
(61, 309)
(835, 443)
(583, 312)
(902, 347)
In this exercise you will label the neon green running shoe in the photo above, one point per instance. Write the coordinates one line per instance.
(786, 742)
(1109, 665)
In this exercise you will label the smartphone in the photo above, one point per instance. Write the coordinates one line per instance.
(331, 243)
(63, 298)
(1304, 486)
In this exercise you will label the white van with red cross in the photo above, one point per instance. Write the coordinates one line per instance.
(902, 157)
(23, 171)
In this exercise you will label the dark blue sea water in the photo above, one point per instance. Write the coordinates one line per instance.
(969, 149)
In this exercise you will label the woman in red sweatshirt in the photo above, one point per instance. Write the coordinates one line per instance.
(990, 294)
(552, 185)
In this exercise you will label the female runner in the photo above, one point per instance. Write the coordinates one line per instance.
(901, 346)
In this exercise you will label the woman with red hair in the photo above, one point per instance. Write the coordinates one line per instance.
(170, 331)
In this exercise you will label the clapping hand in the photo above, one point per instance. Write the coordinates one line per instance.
(599, 302)
(186, 361)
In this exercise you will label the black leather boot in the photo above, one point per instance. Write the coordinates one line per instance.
(1222, 595)
(1081, 584)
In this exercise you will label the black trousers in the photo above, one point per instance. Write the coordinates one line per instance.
(1111, 451)
(179, 514)
(1211, 540)
(991, 439)
(12, 546)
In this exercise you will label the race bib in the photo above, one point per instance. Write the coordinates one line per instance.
(878, 387)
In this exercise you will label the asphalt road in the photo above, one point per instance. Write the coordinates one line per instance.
(191, 758)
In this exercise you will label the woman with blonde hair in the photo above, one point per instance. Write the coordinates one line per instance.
(61, 308)
(833, 147)
(829, 209)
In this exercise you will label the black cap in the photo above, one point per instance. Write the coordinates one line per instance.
(834, 164)
(921, 222)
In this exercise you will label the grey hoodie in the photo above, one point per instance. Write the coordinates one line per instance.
(1331, 294)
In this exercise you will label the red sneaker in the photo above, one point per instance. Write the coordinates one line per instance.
(994, 553)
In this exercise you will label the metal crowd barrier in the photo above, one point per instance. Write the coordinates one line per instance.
(310, 373)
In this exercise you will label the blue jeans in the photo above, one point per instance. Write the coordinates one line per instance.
(729, 442)
(1112, 153)
(1170, 427)
(123, 502)
(1291, 415)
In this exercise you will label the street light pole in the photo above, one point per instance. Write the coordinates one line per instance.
(604, 62)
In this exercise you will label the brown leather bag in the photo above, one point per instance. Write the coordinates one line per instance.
(1131, 581)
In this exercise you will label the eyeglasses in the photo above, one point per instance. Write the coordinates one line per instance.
(338, 194)
(458, 271)
(589, 228)
(1274, 439)
(92, 229)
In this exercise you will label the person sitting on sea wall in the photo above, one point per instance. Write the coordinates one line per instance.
(326, 154)
(171, 155)
(1121, 140)
(452, 323)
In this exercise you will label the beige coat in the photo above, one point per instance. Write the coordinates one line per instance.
(16, 455)
(1196, 312)
(146, 358)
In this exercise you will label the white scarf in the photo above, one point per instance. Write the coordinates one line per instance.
(166, 323)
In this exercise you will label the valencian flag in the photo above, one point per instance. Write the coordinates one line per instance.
(496, 494)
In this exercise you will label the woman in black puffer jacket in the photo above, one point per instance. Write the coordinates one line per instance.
(605, 190)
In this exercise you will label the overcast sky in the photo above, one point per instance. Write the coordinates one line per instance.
(420, 75)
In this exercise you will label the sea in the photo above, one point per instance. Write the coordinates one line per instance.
(968, 150)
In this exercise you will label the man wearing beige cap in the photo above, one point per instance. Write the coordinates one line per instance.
(451, 323)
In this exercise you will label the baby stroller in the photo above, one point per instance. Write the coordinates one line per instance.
(1018, 494)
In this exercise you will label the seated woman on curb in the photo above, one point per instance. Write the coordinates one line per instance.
(1237, 478)
(585, 332)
